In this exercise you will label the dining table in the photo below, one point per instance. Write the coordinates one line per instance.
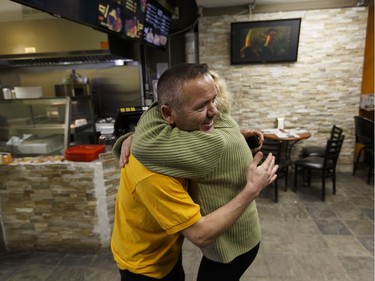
(288, 136)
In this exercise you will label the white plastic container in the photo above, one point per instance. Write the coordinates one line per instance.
(7, 93)
(28, 92)
(35, 145)
(280, 123)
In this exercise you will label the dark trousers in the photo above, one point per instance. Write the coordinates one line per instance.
(211, 270)
(176, 274)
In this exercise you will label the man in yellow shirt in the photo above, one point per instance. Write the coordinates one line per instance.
(151, 211)
(154, 212)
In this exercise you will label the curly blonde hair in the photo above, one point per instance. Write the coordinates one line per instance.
(223, 98)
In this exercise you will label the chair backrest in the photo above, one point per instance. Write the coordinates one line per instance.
(333, 149)
(336, 133)
(274, 147)
(364, 131)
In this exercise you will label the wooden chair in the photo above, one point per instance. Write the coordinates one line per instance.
(275, 147)
(326, 165)
(369, 161)
(364, 137)
(336, 133)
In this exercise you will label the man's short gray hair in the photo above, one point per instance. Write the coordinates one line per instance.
(171, 83)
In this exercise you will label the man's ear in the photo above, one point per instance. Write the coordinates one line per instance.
(166, 112)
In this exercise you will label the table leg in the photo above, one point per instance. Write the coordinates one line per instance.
(288, 152)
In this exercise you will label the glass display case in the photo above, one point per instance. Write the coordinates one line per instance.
(30, 127)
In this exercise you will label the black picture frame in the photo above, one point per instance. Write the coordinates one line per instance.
(270, 41)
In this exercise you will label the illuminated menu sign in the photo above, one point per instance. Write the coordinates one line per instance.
(157, 25)
(145, 21)
(125, 18)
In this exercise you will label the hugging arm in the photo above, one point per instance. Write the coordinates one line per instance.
(249, 133)
(209, 227)
(121, 149)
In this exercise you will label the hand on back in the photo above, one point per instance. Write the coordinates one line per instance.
(125, 151)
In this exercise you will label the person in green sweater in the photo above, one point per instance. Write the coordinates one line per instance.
(190, 135)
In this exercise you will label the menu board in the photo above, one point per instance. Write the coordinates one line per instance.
(157, 25)
(145, 21)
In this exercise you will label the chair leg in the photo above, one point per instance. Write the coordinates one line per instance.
(356, 162)
(370, 174)
(295, 178)
(286, 179)
(308, 177)
(323, 186)
(276, 191)
(303, 177)
(334, 181)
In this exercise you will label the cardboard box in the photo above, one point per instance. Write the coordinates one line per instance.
(84, 153)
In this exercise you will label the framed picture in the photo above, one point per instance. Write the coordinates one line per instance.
(265, 41)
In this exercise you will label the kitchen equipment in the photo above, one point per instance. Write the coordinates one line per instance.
(40, 145)
(72, 90)
(127, 119)
(108, 139)
(7, 93)
(28, 92)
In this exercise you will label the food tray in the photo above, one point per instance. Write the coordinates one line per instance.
(84, 153)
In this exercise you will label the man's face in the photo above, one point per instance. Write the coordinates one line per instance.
(199, 108)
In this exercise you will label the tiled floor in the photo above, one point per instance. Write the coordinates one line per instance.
(304, 239)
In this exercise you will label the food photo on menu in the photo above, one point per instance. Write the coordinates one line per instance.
(148, 35)
(134, 15)
(156, 27)
(131, 27)
(110, 15)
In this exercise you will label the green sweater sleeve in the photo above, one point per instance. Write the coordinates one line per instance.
(116, 149)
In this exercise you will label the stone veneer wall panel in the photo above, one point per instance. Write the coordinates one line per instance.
(321, 89)
(111, 181)
(58, 206)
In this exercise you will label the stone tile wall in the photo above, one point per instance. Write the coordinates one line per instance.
(321, 89)
(67, 206)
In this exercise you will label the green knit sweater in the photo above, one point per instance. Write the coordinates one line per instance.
(216, 162)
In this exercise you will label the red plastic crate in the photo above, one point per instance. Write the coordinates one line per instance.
(84, 153)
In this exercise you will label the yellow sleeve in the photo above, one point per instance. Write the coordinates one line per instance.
(169, 203)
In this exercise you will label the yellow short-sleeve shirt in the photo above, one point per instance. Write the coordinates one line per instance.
(151, 210)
